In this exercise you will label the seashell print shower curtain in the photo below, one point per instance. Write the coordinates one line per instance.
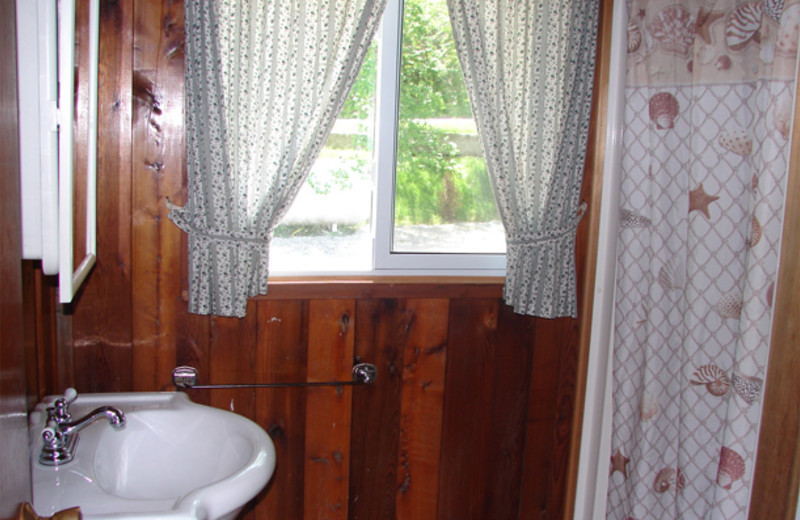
(709, 104)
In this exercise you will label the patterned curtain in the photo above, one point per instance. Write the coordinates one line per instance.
(709, 104)
(265, 80)
(529, 70)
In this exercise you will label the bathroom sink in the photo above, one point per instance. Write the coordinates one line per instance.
(172, 459)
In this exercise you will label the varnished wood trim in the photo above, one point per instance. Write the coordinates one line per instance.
(384, 287)
(777, 472)
(594, 174)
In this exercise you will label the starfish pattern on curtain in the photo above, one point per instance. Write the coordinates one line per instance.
(709, 108)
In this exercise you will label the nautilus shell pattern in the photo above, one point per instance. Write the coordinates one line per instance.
(713, 378)
(743, 25)
(667, 478)
(710, 95)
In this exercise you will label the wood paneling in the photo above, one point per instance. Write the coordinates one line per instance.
(441, 434)
(102, 328)
(15, 475)
(331, 339)
(382, 329)
(157, 166)
(283, 356)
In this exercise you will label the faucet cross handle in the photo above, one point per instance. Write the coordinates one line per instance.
(57, 448)
(59, 412)
(60, 439)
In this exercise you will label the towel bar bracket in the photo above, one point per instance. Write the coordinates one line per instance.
(186, 377)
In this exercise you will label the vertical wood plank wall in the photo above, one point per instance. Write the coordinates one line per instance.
(15, 474)
(470, 417)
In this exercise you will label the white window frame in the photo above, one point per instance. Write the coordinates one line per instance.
(384, 261)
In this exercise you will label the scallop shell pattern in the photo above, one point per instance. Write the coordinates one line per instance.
(714, 378)
(747, 387)
(731, 467)
(674, 28)
(730, 305)
(665, 479)
(743, 24)
(634, 37)
(663, 108)
(736, 140)
(755, 232)
(648, 407)
(629, 219)
(773, 9)
(680, 480)
(672, 275)
(789, 30)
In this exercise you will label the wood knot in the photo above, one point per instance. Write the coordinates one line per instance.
(344, 324)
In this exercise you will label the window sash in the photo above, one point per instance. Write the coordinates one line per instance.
(384, 261)
(388, 96)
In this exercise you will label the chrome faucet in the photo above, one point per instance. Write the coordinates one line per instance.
(60, 437)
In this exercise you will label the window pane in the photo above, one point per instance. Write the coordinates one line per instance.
(443, 198)
(328, 225)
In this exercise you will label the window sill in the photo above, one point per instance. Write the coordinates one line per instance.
(325, 287)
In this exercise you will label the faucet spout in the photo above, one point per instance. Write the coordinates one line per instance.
(59, 440)
(115, 416)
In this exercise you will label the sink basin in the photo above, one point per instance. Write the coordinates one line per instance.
(173, 459)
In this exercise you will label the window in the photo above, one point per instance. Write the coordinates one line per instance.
(401, 186)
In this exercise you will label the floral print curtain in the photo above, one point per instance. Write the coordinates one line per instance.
(265, 80)
(529, 71)
(709, 104)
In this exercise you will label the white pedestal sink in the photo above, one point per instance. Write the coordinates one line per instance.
(173, 459)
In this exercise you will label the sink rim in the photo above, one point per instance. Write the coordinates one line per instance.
(52, 486)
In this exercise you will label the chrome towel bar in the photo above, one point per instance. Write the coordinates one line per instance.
(186, 377)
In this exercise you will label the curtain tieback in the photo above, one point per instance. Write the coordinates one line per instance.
(527, 239)
(232, 238)
(188, 222)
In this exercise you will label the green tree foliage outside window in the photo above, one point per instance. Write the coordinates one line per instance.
(435, 181)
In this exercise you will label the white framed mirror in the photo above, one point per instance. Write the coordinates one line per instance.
(46, 43)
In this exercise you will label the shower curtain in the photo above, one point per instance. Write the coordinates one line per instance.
(709, 104)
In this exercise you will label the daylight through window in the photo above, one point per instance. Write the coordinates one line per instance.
(401, 185)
